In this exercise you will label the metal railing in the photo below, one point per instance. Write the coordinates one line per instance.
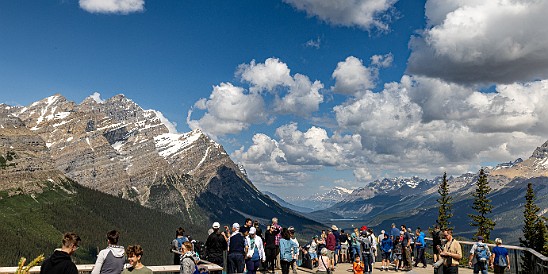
(86, 268)
(539, 262)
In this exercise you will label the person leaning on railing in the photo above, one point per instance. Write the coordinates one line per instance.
(499, 259)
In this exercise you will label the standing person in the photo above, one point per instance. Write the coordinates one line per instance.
(215, 246)
(111, 259)
(358, 266)
(499, 259)
(397, 251)
(355, 244)
(373, 239)
(367, 251)
(291, 230)
(394, 233)
(406, 244)
(236, 250)
(188, 259)
(343, 239)
(331, 244)
(386, 248)
(255, 252)
(323, 262)
(337, 244)
(451, 252)
(479, 256)
(278, 238)
(177, 244)
(436, 242)
(313, 250)
(247, 225)
(134, 254)
(287, 249)
(59, 262)
(257, 227)
(420, 245)
(271, 248)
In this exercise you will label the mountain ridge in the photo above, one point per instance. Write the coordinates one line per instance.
(118, 148)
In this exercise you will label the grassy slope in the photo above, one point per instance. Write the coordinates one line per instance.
(31, 225)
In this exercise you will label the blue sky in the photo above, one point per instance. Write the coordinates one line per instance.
(307, 95)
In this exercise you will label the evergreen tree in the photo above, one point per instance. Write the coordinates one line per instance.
(482, 206)
(535, 230)
(444, 210)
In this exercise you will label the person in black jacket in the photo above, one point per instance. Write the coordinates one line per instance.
(215, 246)
(59, 262)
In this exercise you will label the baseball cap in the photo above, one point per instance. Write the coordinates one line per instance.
(252, 230)
(236, 225)
(216, 225)
(480, 238)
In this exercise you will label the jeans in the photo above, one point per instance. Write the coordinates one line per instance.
(450, 269)
(270, 258)
(252, 266)
(355, 250)
(235, 263)
(285, 266)
(420, 256)
(368, 263)
(480, 267)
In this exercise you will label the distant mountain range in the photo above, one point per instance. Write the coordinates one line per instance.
(320, 201)
(413, 200)
(118, 148)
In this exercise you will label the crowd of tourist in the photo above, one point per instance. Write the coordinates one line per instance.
(248, 249)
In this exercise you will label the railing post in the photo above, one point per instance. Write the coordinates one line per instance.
(516, 266)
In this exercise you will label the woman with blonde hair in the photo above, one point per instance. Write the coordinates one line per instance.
(499, 258)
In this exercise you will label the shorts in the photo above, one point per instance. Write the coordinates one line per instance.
(313, 255)
(344, 248)
(385, 255)
(330, 254)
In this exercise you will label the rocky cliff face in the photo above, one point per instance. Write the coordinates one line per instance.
(25, 161)
(119, 148)
(534, 166)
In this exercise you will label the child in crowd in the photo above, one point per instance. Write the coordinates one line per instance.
(358, 266)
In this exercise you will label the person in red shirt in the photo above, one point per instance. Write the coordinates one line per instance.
(330, 244)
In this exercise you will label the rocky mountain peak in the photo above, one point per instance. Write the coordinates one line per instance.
(534, 166)
(541, 152)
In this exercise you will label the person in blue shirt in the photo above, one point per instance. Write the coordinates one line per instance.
(420, 244)
(386, 248)
(499, 258)
(287, 249)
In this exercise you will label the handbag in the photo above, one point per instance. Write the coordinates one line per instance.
(326, 268)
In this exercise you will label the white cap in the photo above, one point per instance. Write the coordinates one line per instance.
(236, 225)
(216, 225)
(252, 230)
(382, 231)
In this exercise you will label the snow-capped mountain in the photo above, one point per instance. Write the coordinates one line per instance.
(117, 147)
(322, 200)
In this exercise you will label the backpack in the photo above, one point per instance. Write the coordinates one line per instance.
(196, 270)
(366, 246)
(502, 261)
(482, 252)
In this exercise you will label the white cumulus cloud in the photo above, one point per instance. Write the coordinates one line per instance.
(470, 41)
(112, 6)
(352, 77)
(365, 14)
(229, 109)
(294, 153)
